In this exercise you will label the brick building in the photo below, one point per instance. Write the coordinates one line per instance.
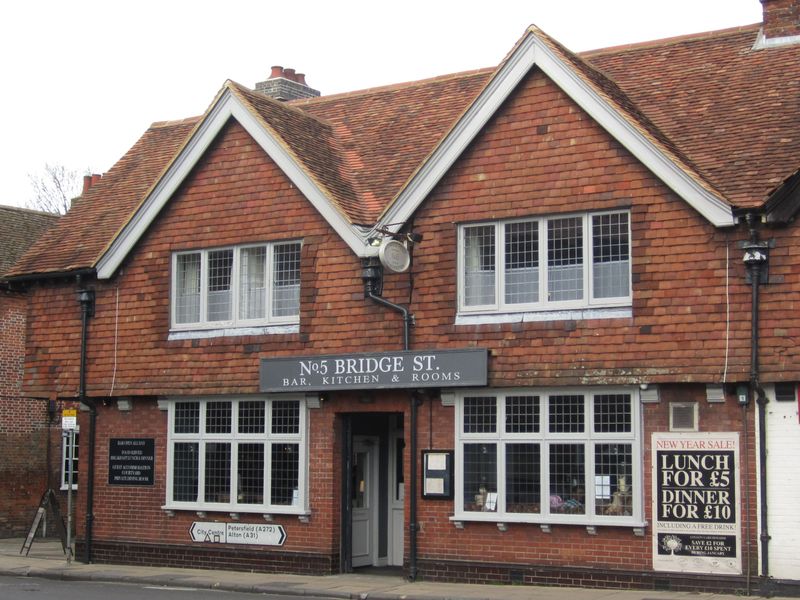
(24, 421)
(494, 326)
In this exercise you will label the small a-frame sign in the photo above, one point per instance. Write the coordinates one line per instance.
(48, 499)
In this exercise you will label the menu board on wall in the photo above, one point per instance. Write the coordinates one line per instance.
(131, 461)
(696, 507)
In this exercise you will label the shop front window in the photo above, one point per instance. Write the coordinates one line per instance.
(240, 455)
(547, 456)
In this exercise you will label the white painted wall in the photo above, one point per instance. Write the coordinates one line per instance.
(783, 488)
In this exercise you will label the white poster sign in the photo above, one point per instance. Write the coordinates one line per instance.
(696, 507)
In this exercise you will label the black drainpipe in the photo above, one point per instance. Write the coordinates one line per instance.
(372, 274)
(86, 301)
(756, 259)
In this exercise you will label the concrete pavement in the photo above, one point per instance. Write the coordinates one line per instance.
(46, 560)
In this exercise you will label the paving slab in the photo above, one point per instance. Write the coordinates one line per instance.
(47, 560)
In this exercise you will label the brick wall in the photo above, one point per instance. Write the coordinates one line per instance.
(23, 426)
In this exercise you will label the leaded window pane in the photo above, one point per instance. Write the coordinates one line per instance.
(187, 417)
(253, 283)
(611, 255)
(566, 414)
(286, 280)
(285, 416)
(565, 259)
(250, 464)
(187, 283)
(220, 268)
(252, 415)
(479, 265)
(184, 471)
(612, 413)
(613, 476)
(480, 415)
(480, 477)
(218, 417)
(567, 479)
(218, 472)
(522, 414)
(285, 473)
(522, 262)
(523, 478)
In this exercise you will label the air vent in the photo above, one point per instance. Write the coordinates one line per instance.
(683, 416)
(785, 392)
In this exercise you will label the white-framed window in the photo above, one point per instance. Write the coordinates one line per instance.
(549, 456)
(237, 286)
(69, 450)
(237, 455)
(546, 263)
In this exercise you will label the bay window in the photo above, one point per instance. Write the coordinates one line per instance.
(548, 263)
(549, 456)
(240, 286)
(239, 455)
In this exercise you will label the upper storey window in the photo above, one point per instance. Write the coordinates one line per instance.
(239, 286)
(554, 263)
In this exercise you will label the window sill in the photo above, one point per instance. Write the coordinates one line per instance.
(578, 314)
(578, 520)
(197, 334)
(237, 509)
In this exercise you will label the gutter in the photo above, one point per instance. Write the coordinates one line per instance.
(86, 301)
(30, 277)
(756, 260)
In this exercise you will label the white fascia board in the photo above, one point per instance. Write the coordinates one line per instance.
(227, 106)
(532, 52)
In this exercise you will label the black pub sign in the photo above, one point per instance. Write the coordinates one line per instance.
(131, 461)
(375, 370)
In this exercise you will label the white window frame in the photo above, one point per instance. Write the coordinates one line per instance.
(75, 459)
(499, 305)
(300, 507)
(234, 321)
(544, 438)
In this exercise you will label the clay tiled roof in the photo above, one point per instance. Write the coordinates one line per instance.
(616, 95)
(19, 229)
(733, 111)
(95, 218)
(387, 133)
(725, 113)
(312, 143)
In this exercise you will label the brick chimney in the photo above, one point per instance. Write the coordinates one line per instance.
(89, 181)
(781, 19)
(286, 84)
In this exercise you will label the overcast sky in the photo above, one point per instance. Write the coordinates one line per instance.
(81, 80)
